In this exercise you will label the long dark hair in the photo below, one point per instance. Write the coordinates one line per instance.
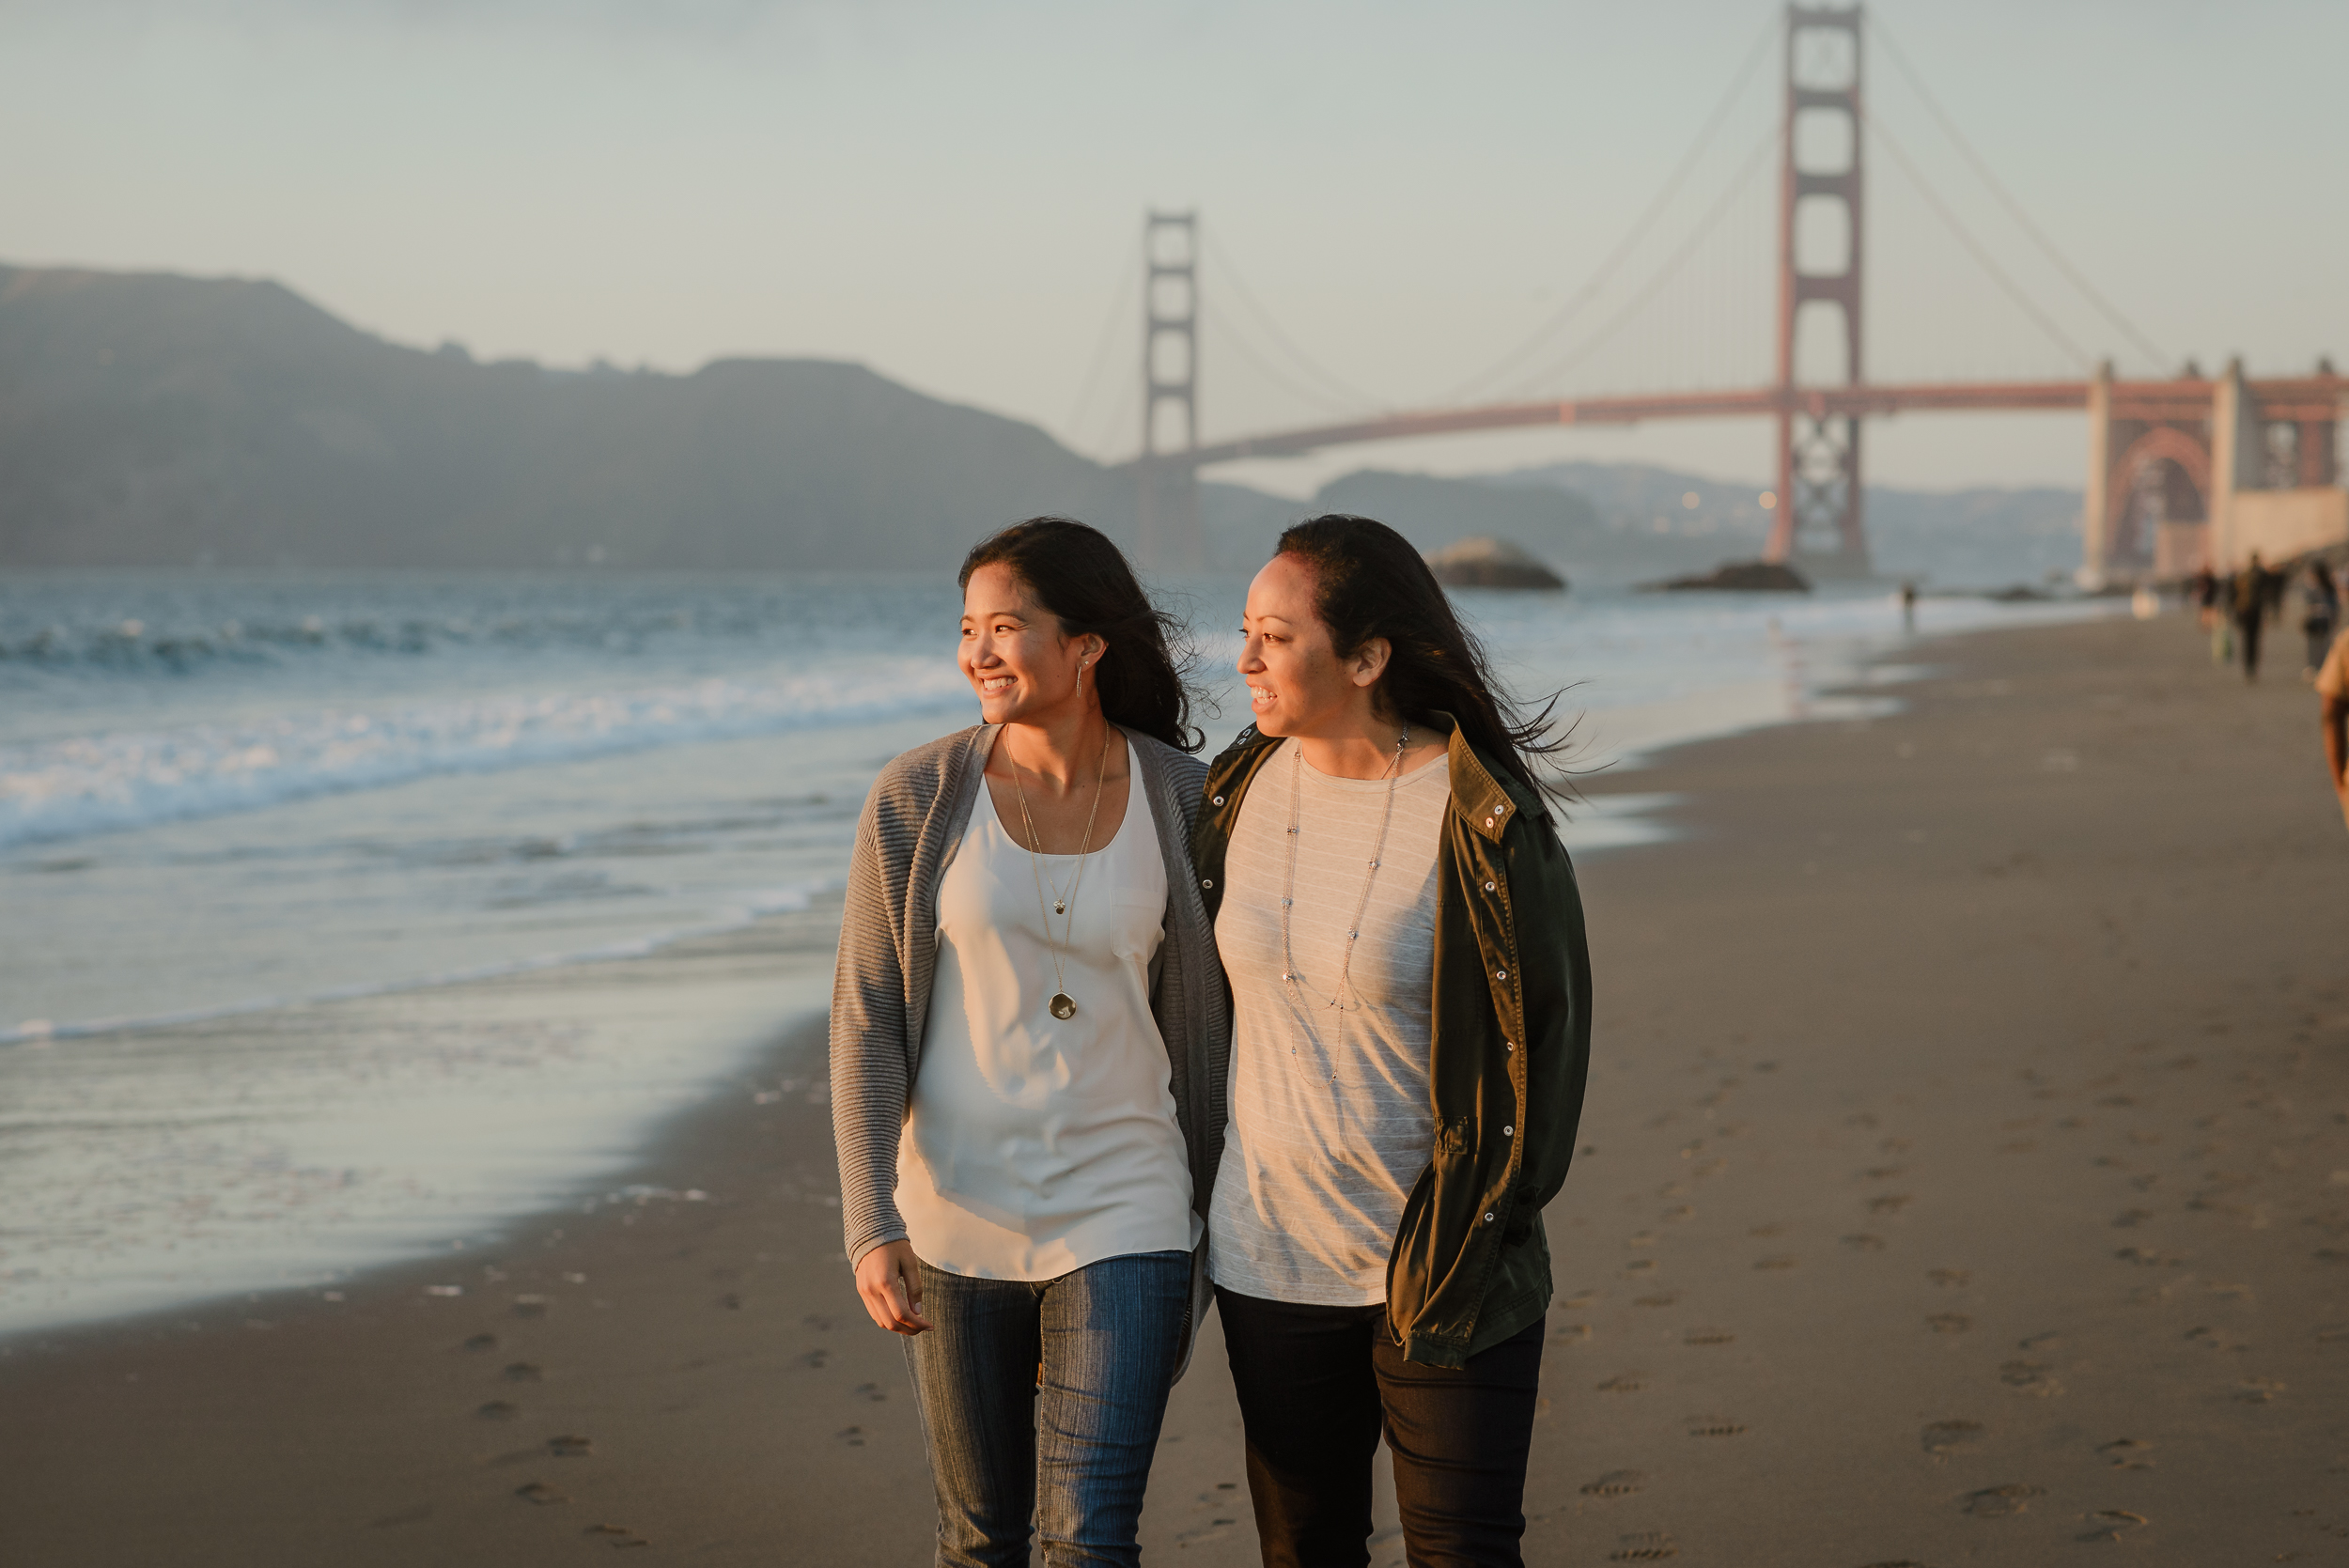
(1073, 571)
(1368, 582)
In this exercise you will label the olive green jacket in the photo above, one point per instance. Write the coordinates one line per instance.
(1509, 1052)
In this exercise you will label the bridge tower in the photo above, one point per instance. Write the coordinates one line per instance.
(1818, 520)
(1166, 477)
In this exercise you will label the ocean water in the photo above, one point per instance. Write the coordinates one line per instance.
(255, 834)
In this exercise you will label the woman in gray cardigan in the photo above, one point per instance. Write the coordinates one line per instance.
(1029, 1036)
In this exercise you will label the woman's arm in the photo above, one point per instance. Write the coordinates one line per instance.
(869, 1080)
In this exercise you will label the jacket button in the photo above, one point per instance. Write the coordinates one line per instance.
(1207, 882)
(1218, 800)
(1508, 1132)
(1489, 887)
(1488, 822)
(1508, 1045)
(1501, 975)
(1488, 1219)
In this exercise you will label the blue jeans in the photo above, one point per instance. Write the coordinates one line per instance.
(1062, 1452)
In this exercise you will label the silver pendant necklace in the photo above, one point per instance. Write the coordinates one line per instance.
(1063, 1005)
(1288, 888)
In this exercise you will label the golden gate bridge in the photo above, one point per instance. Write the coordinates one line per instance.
(2181, 470)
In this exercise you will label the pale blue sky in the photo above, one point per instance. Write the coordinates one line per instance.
(952, 192)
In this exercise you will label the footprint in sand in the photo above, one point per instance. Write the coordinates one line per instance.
(499, 1410)
(1950, 1436)
(1776, 1262)
(1767, 1231)
(1950, 1322)
(523, 1372)
(482, 1341)
(1864, 1243)
(1615, 1483)
(2128, 1220)
(2110, 1524)
(530, 1306)
(2258, 1390)
(2029, 1377)
(570, 1447)
(1949, 1278)
(1649, 1545)
(1707, 1336)
(873, 1392)
(539, 1493)
(618, 1535)
(1666, 1299)
(2003, 1502)
(2144, 1259)
(2126, 1453)
(817, 1359)
(852, 1436)
(1715, 1427)
(1571, 1333)
(1885, 1173)
(1624, 1383)
(1890, 1203)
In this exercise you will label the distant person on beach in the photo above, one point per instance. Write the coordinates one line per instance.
(2332, 692)
(2320, 601)
(1908, 608)
(2203, 588)
(1412, 995)
(2254, 587)
(1029, 1036)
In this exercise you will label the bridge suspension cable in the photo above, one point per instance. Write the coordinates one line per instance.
(1089, 433)
(1973, 246)
(1663, 275)
(1232, 339)
(1351, 398)
(1485, 379)
(2111, 313)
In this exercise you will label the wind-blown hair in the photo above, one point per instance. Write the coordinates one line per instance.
(1077, 574)
(1369, 582)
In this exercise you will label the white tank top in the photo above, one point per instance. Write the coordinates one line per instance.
(1036, 1146)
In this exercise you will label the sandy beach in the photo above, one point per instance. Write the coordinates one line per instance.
(1966, 1179)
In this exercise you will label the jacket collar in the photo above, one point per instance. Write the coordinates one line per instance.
(1476, 795)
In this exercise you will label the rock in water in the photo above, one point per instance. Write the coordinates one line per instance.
(1741, 577)
(1491, 563)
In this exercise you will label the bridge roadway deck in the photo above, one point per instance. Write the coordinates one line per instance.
(2306, 398)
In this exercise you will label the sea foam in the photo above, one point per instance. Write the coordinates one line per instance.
(105, 783)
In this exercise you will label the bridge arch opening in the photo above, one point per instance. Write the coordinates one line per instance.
(2162, 476)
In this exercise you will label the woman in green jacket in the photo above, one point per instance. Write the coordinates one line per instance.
(1410, 989)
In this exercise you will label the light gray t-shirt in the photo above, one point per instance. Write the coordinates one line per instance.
(1331, 1121)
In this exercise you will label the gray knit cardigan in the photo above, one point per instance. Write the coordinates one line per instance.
(913, 821)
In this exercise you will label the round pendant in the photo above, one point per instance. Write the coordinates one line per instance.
(1063, 1005)
(1060, 908)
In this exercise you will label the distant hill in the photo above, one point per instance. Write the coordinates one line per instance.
(149, 419)
(1981, 537)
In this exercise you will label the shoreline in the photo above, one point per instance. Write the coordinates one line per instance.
(1970, 1084)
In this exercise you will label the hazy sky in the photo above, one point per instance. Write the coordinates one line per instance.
(953, 193)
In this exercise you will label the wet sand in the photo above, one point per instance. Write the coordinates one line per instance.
(1968, 1181)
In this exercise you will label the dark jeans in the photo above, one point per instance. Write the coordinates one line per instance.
(1318, 1385)
(1065, 1456)
(2247, 631)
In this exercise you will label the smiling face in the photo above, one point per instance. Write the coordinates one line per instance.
(1013, 651)
(1297, 683)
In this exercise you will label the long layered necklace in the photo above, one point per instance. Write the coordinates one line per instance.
(1063, 1005)
(1361, 905)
